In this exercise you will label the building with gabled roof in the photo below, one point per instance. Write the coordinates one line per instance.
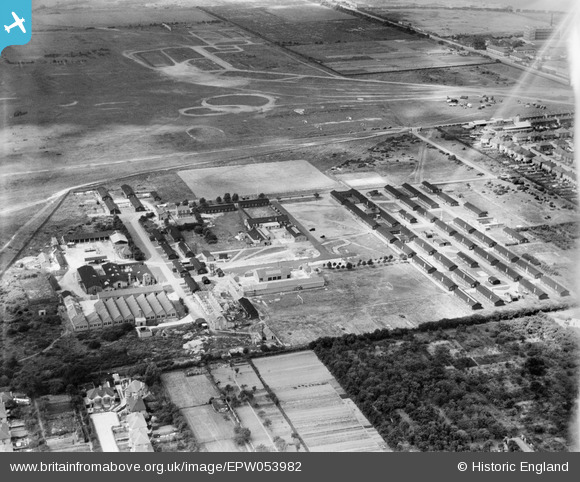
(466, 278)
(489, 295)
(467, 299)
(89, 280)
(485, 239)
(554, 286)
(75, 314)
(533, 289)
(385, 233)
(505, 253)
(167, 305)
(447, 283)
(111, 207)
(199, 266)
(185, 250)
(94, 321)
(101, 310)
(488, 257)
(443, 226)
(155, 306)
(467, 260)
(480, 213)
(445, 261)
(137, 204)
(421, 263)
(168, 251)
(529, 269)
(463, 225)
(407, 201)
(103, 193)
(509, 272)
(394, 192)
(421, 197)
(127, 191)
(465, 241)
(114, 311)
(447, 199)
(125, 311)
(425, 246)
(430, 187)
(145, 307)
(512, 233)
(407, 216)
(388, 219)
(191, 284)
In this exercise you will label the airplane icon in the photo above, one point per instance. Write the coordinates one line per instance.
(17, 23)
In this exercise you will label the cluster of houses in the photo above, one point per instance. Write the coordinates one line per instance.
(144, 309)
(126, 398)
(543, 141)
(112, 276)
(13, 433)
(264, 281)
(398, 236)
(111, 207)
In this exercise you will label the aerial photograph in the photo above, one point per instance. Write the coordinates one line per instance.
(290, 226)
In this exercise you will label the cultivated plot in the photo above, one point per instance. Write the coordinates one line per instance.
(187, 391)
(268, 178)
(215, 431)
(324, 420)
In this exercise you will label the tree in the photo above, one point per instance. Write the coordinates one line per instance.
(218, 200)
(329, 265)
(242, 435)
(349, 265)
(261, 195)
(202, 201)
(235, 197)
(227, 197)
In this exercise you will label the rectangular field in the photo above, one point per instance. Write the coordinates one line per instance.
(387, 56)
(325, 421)
(214, 430)
(267, 178)
(187, 391)
(362, 300)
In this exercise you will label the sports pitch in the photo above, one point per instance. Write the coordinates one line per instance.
(268, 178)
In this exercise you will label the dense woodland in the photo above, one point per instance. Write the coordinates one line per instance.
(462, 388)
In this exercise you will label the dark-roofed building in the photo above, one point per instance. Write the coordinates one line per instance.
(422, 197)
(249, 309)
(445, 261)
(179, 268)
(443, 226)
(388, 219)
(115, 277)
(406, 201)
(191, 284)
(405, 249)
(480, 213)
(447, 283)
(466, 278)
(430, 187)
(87, 237)
(407, 235)
(447, 199)
(385, 233)
(217, 208)
(509, 272)
(407, 216)
(489, 295)
(155, 196)
(483, 238)
(103, 193)
(513, 234)
(468, 243)
(89, 280)
(199, 266)
(488, 257)
(137, 204)
(185, 250)
(467, 260)
(127, 191)
(505, 253)
(529, 269)
(174, 234)
(394, 192)
(554, 286)
(155, 235)
(111, 207)
(421, 263)
(533, 289)
(425, 246)
(463, 225)
(168, 251)
(295, 233)
(251, 203)
(468, 300)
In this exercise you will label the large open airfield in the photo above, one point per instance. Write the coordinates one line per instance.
(306, 113)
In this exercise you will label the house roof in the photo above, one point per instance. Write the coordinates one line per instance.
(144, 305)
(89, 277)
(136, 404)
(155, 305)
(102, 311)
(4, 431)
(136, 421)
(118, 237)
(123, 308)
(136, 310)
(100, 392)
(249, 308)
(165, 302)
(135, 387)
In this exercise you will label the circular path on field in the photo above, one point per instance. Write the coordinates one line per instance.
(231, 104)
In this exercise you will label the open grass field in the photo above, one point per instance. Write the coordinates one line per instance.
(325, 421)
(225, 226)
(214, 431)
(187, 391)
(387, 56)
(270, 178)
(446, 23)
(363, 300)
